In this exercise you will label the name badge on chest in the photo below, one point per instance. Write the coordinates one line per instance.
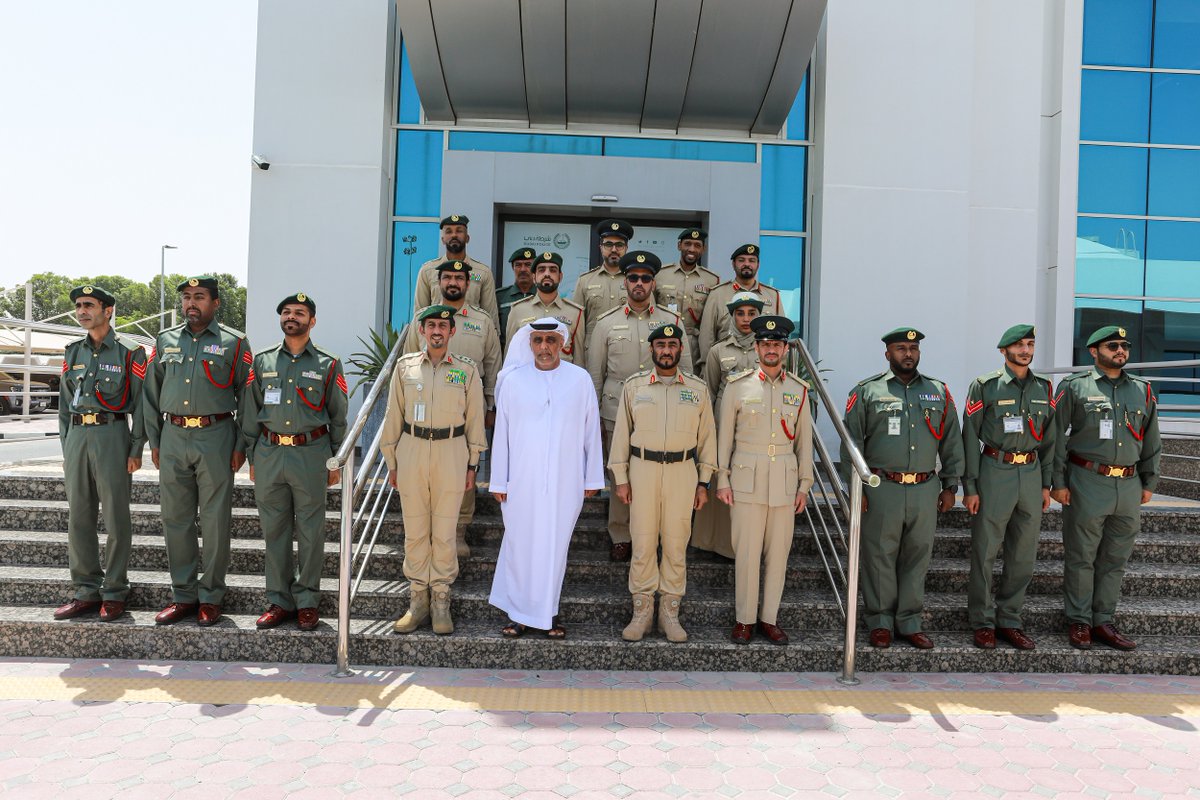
(418, 412)
(1012, 424)
(271, 397)
(893, 426)
(1106, 429)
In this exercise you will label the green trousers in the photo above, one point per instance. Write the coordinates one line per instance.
(289, 489)
(95, 463)
(194, 475)
(1010, 514)
(897, 542)
(1099, 529)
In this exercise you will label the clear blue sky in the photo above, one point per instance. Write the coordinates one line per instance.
(124, 126)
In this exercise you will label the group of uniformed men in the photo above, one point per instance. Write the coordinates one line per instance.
(645, 333)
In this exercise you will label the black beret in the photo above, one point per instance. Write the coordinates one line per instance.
(698, 234)
(104, 297)
(548, 257)
(521, 254)
(668, 331)
(454, 219)
(615, 227)
(202, 281)
(643, 259)
(1015, 334)
(771, 328)
(902, 335)
(437, 312)
(745, 250)
(299, 298)
(461, 267)
(1107, 334)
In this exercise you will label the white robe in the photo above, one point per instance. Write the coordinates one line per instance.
(546, 452)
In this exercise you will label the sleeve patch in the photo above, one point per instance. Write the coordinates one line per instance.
(139, 369)
(153, 353)
(64, 368)
(341, 384)
(974, 407)
(247, 356)
(250, 377)
(1054, 401)
(850, 403)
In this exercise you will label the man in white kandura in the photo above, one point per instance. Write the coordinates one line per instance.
(545, 459)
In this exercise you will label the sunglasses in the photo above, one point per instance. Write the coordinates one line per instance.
(1115, 346)
(611, 245)
(640, 278)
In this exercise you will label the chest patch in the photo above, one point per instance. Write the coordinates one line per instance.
(172, 350)
(1009, 402)
(931, 398)
(270, 374)
(643, 398)
(472, 327)
(456, 377)
(79, 366)
(791, 399)
(688, 396)
(311, 374)
(112, 368)
(214, 349)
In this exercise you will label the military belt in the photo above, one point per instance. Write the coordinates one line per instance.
(762, 449)
(1107, 470)
(664, 458)
(910, 478)
(197, 422)
(433, 434)
(95, 418)
(1010, 458)
(295, 439)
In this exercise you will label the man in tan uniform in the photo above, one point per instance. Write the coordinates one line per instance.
(603, 288)
(764, 456)
(714, 325)
(432, 437)
(547, 302)
(618, 348)
(476, 337)
(482, 289)
(730, 356)
(665, 443)
(684, 287)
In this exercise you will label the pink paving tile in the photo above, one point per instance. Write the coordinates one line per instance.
(643, 736)
(837, 756)
(594, 778)
(1055, 780)
(435, 777)
(750, 778)
(644, 779)
(696, 780)
(326, 775)
(383, 775)
(644, 756)
(276, 773)
(849, 778)
(546, 736)
(445, 755)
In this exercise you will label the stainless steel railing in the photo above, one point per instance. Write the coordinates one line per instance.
(366, 497)
(820, 516)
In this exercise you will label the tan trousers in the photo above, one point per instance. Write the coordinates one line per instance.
(618, 512)
(712, 529)
(761, 533)
(430, 477)
(661, 512)
(466, 511)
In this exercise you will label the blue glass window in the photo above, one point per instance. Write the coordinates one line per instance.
(679, 148)
(418, 173)
(783, 187)
(1112, 180)
(408, 109)
(1175, 113)
(1173, 260)
(527, 143)
(424, 241)
(782, 265)
(1116, 33)
(1175, 183)
(797, 121)
(1115, 106)
(1110, 256)
(1177, 34)
(1091, 315)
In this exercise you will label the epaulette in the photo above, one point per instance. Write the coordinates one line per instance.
(1048, 380)
(690, 376)
(233, 331)
(610, 311)
(128, 343)
(737, 376)
(276, 346)
(722, 283)
(871, 379)
(643, 374)
(990, 376)
(803, 382)
(173, 328)
(569, 302)
(1075, 376)
(414, 355)
(324, 352)
(938, 381)
(462, 358)
(477, 308)
(433, 262)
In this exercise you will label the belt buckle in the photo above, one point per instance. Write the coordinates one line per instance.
(191, 422)
(1114, 472)
(771, 450)
(89, 419)
(430, 430)
(908, 477)
(287, 440)
(1020, 458)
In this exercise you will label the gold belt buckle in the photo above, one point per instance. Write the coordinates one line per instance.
(1115, 472)
(1020, 458)
(287, 441)
(191, 422)
(908, 477)
(771, 450)
(90, 419)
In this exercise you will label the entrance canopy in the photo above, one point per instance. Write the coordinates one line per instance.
(720, 66)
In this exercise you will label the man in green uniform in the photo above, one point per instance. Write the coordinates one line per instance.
(902, 422)
(684, 287)
(547, 275)
(522, 286)
(196, 381)
(1008, 439)
(732, 355)
(617, 348)
(432, 437)
(482, 289)
(294, 420)
(602, 288)
(99, 396)
(714, 324)
(1105, 467)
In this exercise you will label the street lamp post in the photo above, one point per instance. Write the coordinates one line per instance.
(162, 284)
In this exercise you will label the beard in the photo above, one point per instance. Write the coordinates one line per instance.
(453, 292)
(547, 285)
(666, 360)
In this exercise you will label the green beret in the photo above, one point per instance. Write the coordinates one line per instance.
(745, 250)
(1106, 334)
(299, 298)
(1015, 334)
(460, 267)
(202, 281)
(104, 297)
(744, 299)
(902, 335)
(668, 331)
(699, 234)
(548, 257)
(454, 219)
(615, 227)
(641, 259)
(522, 254)
(437, 312)
(771, 328)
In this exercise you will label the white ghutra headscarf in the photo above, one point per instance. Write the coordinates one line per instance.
(519, 353)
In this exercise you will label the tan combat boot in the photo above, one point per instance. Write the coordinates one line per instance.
(442, 624)
(643, 618)
(668, 618)
(417, 614)
(460, 542)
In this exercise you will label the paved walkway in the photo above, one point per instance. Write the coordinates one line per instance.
(134, 729)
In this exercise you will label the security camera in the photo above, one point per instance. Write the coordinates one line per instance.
(260, 162)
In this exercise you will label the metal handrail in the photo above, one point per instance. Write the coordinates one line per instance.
(352, 486)
(859, 474)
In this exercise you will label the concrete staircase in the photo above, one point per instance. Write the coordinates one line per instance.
(1161, 608)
